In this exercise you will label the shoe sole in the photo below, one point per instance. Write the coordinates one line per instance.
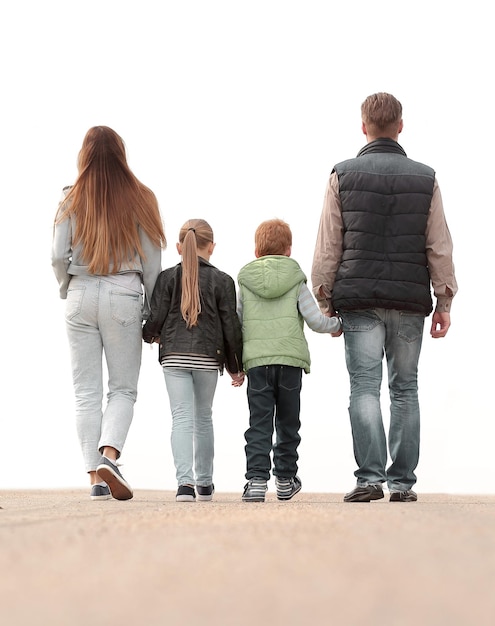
(253, 499)
(119, 488)
(185, 499)
(108, 497)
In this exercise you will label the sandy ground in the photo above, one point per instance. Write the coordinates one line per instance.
(66, 560)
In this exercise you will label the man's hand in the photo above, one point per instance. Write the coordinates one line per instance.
(440, 324)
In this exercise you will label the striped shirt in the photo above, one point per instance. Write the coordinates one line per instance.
(190, 362)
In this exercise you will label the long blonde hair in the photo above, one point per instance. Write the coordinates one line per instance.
(109, 205)
(193, 235)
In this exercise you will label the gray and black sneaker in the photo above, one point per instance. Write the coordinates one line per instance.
(205, 493)
(185, 493)
(109, 472)
(100, 492)
(287, 487)
(254, 490)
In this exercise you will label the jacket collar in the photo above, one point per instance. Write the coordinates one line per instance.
(382, 144)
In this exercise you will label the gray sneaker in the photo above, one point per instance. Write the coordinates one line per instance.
(287, 487)
(254, 490)
(110, 473)
(100, 492)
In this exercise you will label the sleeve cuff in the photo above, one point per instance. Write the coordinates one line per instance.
(443, 305)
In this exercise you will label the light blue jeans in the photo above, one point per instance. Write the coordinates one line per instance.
(103, 318)
(369, 336)
(191, 394)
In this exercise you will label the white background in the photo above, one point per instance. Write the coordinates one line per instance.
(236, 112)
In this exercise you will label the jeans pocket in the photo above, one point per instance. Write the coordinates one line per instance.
(126, 307)
(411, 326)
(290, 378)
(74, 302)
(359, 320)
(258, 378)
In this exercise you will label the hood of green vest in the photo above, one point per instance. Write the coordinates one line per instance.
(271, 276)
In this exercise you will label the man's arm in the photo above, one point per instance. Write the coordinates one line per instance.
(328, 248)
(439, 252)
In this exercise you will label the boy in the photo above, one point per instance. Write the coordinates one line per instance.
(273, 304)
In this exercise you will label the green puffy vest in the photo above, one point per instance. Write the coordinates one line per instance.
(272, 327)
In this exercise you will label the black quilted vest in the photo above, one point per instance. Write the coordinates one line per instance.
(385, 198)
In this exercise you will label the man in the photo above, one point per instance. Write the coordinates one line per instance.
(383, 241)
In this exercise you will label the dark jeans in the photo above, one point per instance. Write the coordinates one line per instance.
(274, 400)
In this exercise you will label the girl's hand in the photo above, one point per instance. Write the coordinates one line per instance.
(237, 379)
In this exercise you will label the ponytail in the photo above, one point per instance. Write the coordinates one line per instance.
(193, 235)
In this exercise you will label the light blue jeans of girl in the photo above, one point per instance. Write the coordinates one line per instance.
(191, 394)
(369, 336)
(103, 318)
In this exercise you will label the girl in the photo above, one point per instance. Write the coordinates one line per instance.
(193, 318)
(108, 237)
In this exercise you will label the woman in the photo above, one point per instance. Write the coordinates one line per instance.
(107, 243)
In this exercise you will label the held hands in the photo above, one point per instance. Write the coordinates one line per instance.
(152, 340)
(331, 313)
(440, 324)
(237, 379)
(338, 333)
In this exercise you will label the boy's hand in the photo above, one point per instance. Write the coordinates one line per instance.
(331, 313)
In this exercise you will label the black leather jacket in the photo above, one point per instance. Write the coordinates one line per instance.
(218, 333)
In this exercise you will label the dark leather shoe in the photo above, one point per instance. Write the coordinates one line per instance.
(403, 496)
(364, 494)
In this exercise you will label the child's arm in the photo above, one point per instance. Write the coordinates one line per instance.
(239, 307)
(312, 315)
(160, 303)
(231, 326)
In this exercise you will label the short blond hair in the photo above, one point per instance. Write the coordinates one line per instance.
(382, 114)
(273, 237)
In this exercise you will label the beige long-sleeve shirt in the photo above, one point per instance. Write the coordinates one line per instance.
(329, 248)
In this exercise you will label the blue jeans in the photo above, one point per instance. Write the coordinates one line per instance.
(103, 318)
(274, 397)
(191, 394)
(369, 336)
